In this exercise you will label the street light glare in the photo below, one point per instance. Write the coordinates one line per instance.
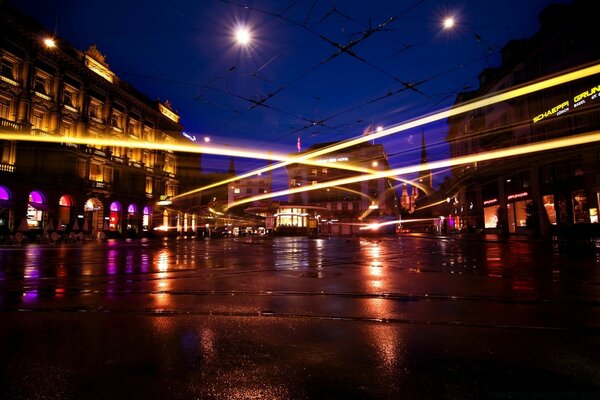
(449, 23)
(49, 42)
(242, 35)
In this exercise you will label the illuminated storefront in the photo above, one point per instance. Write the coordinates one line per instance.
(35, 210)
(115, 217)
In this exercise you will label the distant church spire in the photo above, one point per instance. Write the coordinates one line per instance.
(231, 170)
(424, 175)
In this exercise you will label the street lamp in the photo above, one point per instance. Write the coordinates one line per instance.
(449, 23)
(49, 42)
(243, 36)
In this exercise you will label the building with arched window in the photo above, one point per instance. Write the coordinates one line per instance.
(62, 93)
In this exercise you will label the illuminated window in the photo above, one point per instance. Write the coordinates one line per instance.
(146, 218)
(116, 120)
(490, 216)
(236, 190)
(550, 210)
(5, 108)
(70, 95)
(149, 185)
(96, 172)
(65, 128)
(95, 109)
(41, 83)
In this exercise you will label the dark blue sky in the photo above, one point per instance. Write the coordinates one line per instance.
(297, 77)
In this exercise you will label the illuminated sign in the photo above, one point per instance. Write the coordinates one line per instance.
(168, 113)
(578, 100)
(191, 137)
(333, 160)
(517, 195)
(488, 202)
(99, 68)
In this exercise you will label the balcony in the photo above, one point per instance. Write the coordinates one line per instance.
(5, 167)
(4, 123)
(9, 80)
(71, 108)
(42, 95)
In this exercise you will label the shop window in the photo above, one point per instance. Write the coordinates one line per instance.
(550, 209)
(580, 207)
(490, 216)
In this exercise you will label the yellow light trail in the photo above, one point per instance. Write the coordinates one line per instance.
(305, 158)
(215, 150)
(491, 155)
(444, 114)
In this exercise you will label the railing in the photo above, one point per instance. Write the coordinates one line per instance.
(9, 124)
(71, 108)
(42, 95)
(4, 167)
(9, 80)
(40, 132)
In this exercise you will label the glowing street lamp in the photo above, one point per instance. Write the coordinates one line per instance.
(243, 36)
(449, 23)
(49, 43)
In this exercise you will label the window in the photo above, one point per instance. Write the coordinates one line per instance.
(116, 120)
(7, 68)
(41, 84)
(96, 172)
(107, 174)
(81, 168)
(248, 190)
(4, 108)
(95, 110)
(70, 96)
(148, 185)
(38, 119)
(65, 128)
(133, 128)
(236, 190)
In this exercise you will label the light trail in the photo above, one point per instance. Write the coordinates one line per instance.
(444, 114)
(306, 158)
(491, 155)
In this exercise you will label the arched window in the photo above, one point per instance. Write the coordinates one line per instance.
(114, 217)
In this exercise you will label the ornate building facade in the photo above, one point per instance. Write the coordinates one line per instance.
(50, 89)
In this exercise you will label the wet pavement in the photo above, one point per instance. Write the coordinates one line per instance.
(298, 318)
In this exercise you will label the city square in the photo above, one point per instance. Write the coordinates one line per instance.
(309, 199)
(299, 318)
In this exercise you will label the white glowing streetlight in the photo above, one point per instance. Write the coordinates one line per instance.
(243, 36)
(206, 139)
(449, 23)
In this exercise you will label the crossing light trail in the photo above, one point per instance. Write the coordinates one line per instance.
(307, 158)
(487, 156)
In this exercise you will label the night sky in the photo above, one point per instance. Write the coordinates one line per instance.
(320, 70)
